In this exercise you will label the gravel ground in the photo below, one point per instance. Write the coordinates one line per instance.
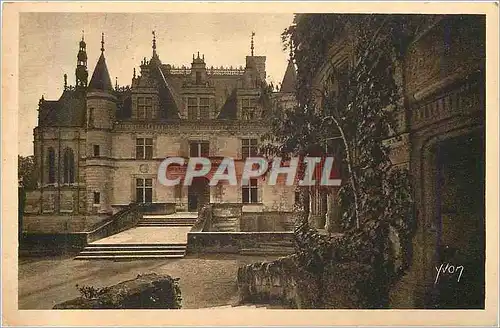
(206, 281)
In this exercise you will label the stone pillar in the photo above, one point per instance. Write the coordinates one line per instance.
(315, 218)
(323, 208)
(312, 207)
(334, 214)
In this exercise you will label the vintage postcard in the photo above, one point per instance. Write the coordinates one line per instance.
(249, 163)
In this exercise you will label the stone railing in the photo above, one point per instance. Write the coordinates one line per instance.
(121, 221)
(463, 99)
(210, 71)
(204, 219)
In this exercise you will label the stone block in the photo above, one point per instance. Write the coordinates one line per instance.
(150, 291)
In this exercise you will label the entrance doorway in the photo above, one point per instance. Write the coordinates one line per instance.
(460, 215)
(198, 194)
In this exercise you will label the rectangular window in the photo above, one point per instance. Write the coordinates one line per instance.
(97, 197)
(297, 197)
(144, 107)
(97, 151)
(149, 108)
(198, 77)
(141, 107)
(204, 108)
(199, 149)
(248, 108)
(144, 148)
(250, 192)
(193, 108)
(249, 148)
(144, 190)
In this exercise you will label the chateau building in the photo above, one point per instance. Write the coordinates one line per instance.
(98, 147)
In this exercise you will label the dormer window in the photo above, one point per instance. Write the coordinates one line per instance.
(193, 108)
(204, 108)
(198, 77)
(144, 108)
(248, 109)
(198, 108)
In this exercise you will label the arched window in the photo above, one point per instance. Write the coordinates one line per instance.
(69, 166)
(51, 164)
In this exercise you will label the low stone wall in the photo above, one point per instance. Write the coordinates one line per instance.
(265, 282)
(158, 208)
(150, 291)
(42, 244)
(267, 221)
(51, 242)
(230, 217)
(225, 217)
(232, 242)
(337, 285)
(58, 224)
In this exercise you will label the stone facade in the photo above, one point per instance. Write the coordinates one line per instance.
(99, 147)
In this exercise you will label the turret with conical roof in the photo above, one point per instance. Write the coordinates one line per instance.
(100, 78)
(289, 79)
(101, 113)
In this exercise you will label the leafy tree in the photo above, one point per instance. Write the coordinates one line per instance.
(26, 172)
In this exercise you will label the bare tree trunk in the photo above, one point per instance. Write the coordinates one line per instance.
(352, 174)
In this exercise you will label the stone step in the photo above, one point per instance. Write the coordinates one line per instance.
(127, 257)
(169, 219)
(136, 245)
(163, 224)
(277, 244)
(167, 222)
(132, 252)
(179, 215)
(268, 251)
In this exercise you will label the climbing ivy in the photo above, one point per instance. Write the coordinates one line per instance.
(356, 118)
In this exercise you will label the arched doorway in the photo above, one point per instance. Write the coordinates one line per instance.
(460, 221)
(198, 194)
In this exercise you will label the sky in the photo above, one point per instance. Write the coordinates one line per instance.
(48, 45)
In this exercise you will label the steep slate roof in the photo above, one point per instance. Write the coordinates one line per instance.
(69, 110)
(289, 79)
(229, 109)
(100, 78)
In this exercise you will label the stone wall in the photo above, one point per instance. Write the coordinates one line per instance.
(267, 221)
(283, 281)
(46, 235)
(232, 242)
(265, 282)
(43, 244)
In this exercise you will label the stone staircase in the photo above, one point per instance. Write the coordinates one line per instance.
(154, 237)
(180, 219)
(132, 251)
(279, 248)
